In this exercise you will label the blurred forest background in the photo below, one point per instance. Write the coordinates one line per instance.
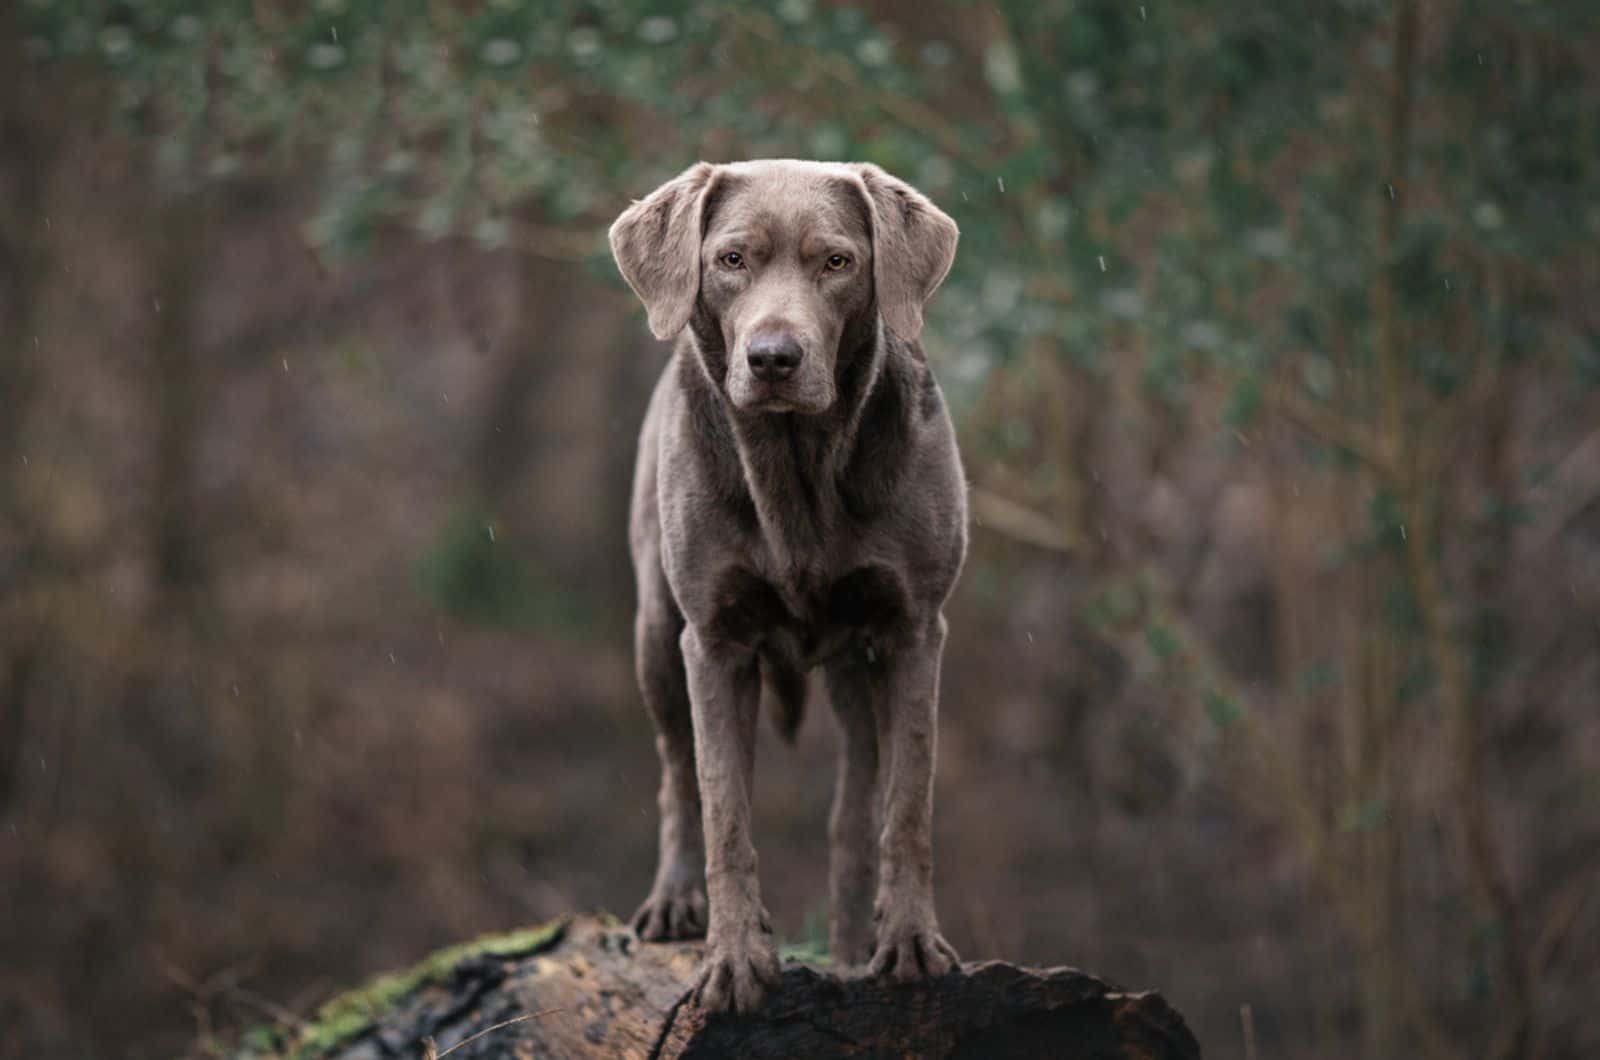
(1274, 677)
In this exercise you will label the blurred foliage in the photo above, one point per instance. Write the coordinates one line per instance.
(1071, 140)
(455, 117)
(473, 575)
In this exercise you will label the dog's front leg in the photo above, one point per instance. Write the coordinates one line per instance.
(909, 945)
(724, 694)
(853, 688)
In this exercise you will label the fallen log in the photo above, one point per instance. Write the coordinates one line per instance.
(586, 987)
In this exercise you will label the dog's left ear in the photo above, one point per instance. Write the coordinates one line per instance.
(913, 246)
(656, 242)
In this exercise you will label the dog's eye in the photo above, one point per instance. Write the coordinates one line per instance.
(837, 262)
(733, 259)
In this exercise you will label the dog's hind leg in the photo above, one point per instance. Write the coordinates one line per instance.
(852, 826)
(676, 907)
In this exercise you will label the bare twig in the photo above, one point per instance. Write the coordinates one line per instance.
(1562, 920)
(201, 993)
(1006, 517)
(279, 1014)
(1332, 428)
(1574, 491)
(430, 1049)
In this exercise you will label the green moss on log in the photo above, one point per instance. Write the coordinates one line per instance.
(351, 1013)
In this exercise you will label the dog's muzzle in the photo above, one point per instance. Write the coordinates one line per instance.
(774, 356)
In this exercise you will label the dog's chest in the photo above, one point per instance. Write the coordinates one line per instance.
(818, 612)
(809, 571)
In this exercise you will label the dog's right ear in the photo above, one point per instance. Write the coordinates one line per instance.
(656, 242)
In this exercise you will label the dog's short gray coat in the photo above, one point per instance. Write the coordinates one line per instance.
(817, 519)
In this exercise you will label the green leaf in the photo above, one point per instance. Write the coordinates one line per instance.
(1222, 710)
(1162, 641)
(1244, 404)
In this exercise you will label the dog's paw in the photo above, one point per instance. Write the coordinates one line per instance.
(912, 951)
(737, 973)
(668, 914)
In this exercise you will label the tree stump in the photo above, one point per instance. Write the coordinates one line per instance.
(586, 987)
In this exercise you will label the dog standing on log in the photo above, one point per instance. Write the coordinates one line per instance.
(798, 502)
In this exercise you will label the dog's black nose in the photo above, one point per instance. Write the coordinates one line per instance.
(774, 357)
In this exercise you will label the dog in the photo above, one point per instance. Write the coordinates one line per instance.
(798, 503)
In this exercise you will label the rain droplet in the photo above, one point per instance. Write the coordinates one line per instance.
(491, 532)
(1102, 263)
(1001, 182)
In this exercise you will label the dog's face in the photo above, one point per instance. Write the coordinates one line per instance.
(785, 265)
(781, 266)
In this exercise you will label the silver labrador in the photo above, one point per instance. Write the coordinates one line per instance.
(798, 502)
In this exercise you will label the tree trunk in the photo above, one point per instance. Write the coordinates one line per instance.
(24, 163)
(589, 988)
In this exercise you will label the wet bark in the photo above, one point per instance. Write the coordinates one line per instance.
(593, 990)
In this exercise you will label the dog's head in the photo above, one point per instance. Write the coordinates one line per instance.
(789, 262)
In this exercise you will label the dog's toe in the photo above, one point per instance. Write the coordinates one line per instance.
(686, 917)
(736, 978)
(913, 954)
(664, 918)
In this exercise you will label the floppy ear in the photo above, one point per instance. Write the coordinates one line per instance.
(913, 244)
(656, 242)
